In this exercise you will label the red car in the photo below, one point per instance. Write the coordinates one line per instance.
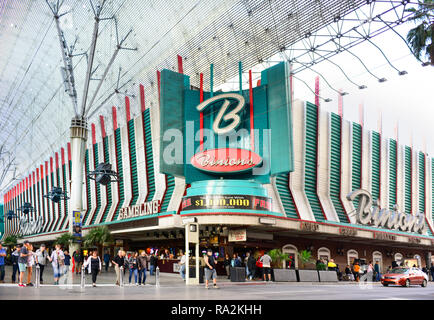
(405, 277)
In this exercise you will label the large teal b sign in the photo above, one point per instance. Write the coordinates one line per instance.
(245, 134)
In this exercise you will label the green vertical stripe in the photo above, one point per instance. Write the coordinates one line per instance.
(392, 173)
(421, 182)
(88, 190)
(109, 186)
(375, 175)
(63, 226)
(408, 176)
(356, 169)
(133, 162)
(149, 155)
(282, 185)
(169, 191)
(98, 187)
(120, 171)
(311, 161)
(335, 167)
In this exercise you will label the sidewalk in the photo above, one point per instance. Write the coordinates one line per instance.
(166, 279)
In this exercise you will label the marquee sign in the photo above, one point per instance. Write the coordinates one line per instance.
(226, 160)
(369, 213)
(139, 210)
(211, 201)
(247, 133)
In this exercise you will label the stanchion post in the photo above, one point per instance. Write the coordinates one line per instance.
(82, 278)
(37, 275)
(157, 277)
(121, 276)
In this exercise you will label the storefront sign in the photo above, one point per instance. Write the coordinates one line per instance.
(308, 226)
(348, 232)
(384, 236)
(76, 226)
(223, 201)
(226, 160)
(414, 240)
(237, 235)
(139, 210)
(369, 213)
(29, 226)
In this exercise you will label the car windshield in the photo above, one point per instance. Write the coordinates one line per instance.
(399, 270)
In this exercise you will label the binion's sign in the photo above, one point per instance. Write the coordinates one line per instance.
(31, 226)
(369, 213)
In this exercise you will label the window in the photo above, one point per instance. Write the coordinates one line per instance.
(398, 258)
(377, 257)
(292, 252)
(351, 256)
(324, 254)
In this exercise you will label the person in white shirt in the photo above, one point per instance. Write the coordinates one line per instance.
(182, 264)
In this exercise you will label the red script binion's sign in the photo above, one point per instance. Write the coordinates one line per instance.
(226, 160)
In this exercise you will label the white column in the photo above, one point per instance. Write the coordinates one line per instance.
(78, 143)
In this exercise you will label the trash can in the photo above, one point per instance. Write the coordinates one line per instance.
(238, 274)
(193, 273)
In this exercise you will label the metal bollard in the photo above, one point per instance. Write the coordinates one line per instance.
(37, 275)
(157, 277)
(121, 276)
(83, 279)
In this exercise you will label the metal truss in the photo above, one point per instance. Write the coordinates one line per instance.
(346, 32)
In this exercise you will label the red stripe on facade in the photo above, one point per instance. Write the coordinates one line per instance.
(201, 114)
(180, 67)
(158, 83)
(93, 133)
(115, 118)
(252, 125)
(69, 151)
(62, 155)
(101, 121)
(340, 166)
(142, 97)
(127, 109)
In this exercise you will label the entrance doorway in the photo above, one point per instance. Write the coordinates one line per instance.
(377, 257)
(324, 254)
(292, 252)
(352, 256)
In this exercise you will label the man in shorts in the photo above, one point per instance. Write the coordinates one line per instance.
(210, 272)
(22, 262)
(266, 266)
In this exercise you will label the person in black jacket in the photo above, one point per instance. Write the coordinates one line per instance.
(14, 258)
(227, 265)
(251, 265)
(153, 264)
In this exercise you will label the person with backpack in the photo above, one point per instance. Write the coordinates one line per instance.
(78, 261)
(93, 263)
(227, 265)
(210, 271)
(41, 259)
(57, 260)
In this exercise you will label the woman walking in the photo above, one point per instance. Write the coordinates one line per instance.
(133, 265)
(57, 260)
(93, 264)
(30, 264)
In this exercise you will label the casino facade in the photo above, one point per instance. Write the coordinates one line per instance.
(304, 203)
